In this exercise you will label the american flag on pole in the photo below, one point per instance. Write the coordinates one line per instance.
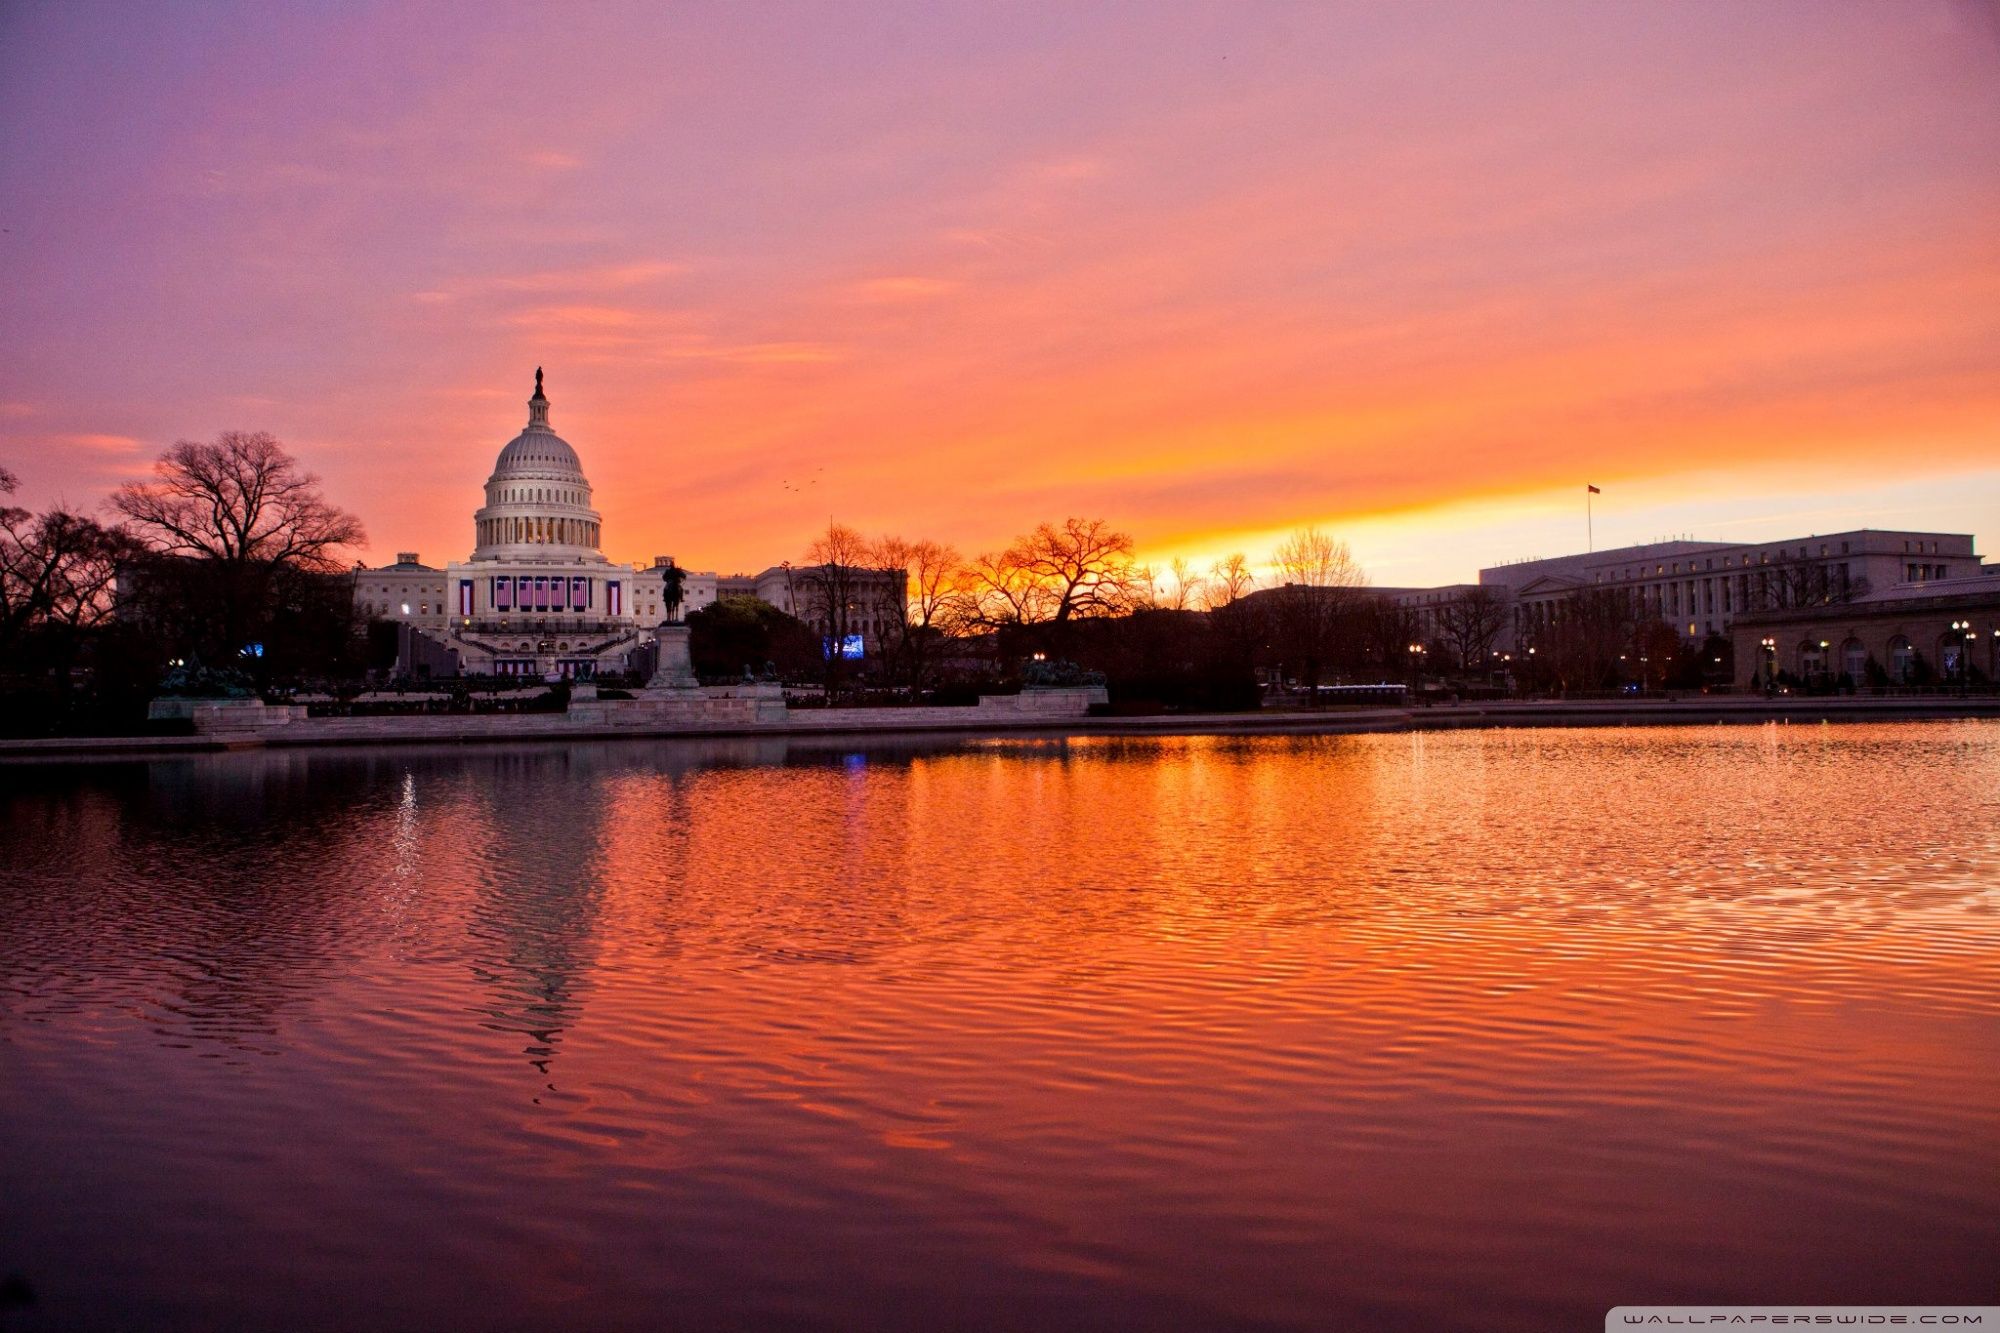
(1593, 490)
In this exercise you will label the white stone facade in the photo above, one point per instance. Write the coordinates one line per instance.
(537, 597)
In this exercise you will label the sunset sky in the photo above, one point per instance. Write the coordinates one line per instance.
(1416, 273)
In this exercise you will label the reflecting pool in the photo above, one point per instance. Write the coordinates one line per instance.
(1480, 1030)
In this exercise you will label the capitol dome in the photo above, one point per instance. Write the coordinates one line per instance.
(537, 451)
(538, 502)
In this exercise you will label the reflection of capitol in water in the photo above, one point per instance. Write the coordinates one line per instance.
(538, 594)
(536, 890)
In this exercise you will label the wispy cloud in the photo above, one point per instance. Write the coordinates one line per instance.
(1067, 169)
(769, 353)
(893, 291)
(573, 316)
(578, 280)
(112, 446)
(592, 278)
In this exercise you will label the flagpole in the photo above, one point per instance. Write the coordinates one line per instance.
(1589, 522)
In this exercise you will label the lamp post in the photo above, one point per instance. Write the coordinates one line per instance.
(1770, 646)
(1963, 629)
(1416, 667)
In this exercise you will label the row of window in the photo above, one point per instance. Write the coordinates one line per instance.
(1730, 594)
(1911, 546)
(1763, 558)
(539, 495)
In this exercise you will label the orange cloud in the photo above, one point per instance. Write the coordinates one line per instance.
(895, 290)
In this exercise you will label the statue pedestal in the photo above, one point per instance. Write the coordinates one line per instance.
(675, 671)
(225, 715)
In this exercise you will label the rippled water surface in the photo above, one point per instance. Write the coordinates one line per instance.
(1470, 1030)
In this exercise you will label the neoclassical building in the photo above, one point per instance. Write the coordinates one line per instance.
(1703, 588)
(538, 597)
(1944, 632)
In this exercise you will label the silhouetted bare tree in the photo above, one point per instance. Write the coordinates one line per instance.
(1580, 645)
(58, 574)
(57, 570)
(996, 589)
(1081, 568)
(1322, 586)
(834, 590)
(1797, 581)
(1229, 579)
(1186, 591)
(1470, 620)
(1084, 566)
(231, 520)
(917, 614)
(1386, 630)
(1653, 652)
(240, 499)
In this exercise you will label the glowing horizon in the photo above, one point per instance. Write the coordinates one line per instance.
(1209, 272)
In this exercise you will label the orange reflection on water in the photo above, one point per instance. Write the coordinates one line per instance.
(1480, 1029)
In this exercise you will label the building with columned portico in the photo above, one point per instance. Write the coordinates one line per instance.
(538, 597)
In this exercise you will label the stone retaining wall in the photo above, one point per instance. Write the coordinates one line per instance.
(716, 709)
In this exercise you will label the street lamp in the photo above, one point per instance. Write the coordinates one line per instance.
(1770, 646)
(1963, 628)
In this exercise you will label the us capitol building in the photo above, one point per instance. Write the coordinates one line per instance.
(537, 597)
